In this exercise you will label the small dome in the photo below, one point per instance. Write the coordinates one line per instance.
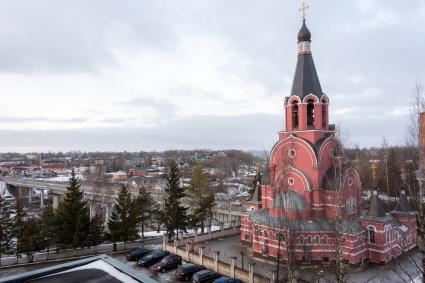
(304, 34)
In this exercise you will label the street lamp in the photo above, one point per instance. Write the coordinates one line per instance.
(242, 253)
(320, 274)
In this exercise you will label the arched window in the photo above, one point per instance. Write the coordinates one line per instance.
(387, 231)
(317, 240)
(265, 234)
(325, 240)
(309, 239)
(371, 234)
(295, 115)
(323, 116)
(350, 205)
(310, 112)
(302, 240)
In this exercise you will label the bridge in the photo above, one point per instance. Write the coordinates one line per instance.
(96, 197)
(101, 198)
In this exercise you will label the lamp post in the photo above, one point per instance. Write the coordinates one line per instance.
(320, 274)
(242, 253)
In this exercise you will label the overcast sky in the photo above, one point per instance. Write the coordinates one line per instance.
(145, 75)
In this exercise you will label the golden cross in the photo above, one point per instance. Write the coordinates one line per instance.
(303, 8)
(374, 167)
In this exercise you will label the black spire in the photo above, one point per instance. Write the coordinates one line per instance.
(403, 203)
(306, 80)
(376, 209)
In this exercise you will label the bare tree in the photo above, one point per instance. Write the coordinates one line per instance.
(417, 105)
(417, 195)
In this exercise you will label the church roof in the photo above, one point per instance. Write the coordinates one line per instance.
(290, 200)
(262, 217)
(403, 203)
(306, 80)
(256, 196)
(376, 208)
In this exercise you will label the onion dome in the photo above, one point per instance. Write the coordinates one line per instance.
(304, 33)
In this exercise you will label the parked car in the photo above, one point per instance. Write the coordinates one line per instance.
(152, 258)
(185, 271)
(205, 276)
(225, 279)
(138, 253)
(168, 262)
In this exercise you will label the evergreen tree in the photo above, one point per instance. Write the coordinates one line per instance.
(6, 228)
(18, 226)
(96, 233)
(123, 220)
(32, 238)
(146, 206)
(48, 226)
(201, 198)
(174, 214)
(73, 220)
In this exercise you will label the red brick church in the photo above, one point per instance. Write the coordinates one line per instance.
(309, 193)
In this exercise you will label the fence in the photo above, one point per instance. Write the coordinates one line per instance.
(11, 260)
(223, 264)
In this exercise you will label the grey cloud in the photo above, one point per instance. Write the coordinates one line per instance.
(18, 119)
(253, 131)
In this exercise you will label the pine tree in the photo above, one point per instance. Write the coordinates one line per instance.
(123, 220)
(146, 206)
(96, 233)
(201, 198)
(174, 214)
(73, 220)
(18, 226)
(48, 226)
(6, 228)
(32, 238)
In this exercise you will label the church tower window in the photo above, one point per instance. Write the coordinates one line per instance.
(295, 115)
(310, 112)
(371, 234)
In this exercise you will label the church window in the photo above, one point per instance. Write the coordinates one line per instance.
(292, 153)
(309, 240)
(265, 234)
(325, 240)
(371, 234)
(317, 239)
(350, 205)
(350, 182)
(323, 116)
(291, 181)
(310, 112)
(387, 231)
(331, 152)
(302, 240)
(295, 115)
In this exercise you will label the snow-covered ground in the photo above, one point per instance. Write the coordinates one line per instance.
(189, 231)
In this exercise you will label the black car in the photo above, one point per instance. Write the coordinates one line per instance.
(205, 276)
(168, 262)
(185, 272)
(137, 253)
(152, 258)
(226, 279)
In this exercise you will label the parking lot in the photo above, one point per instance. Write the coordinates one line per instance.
(158, 276)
